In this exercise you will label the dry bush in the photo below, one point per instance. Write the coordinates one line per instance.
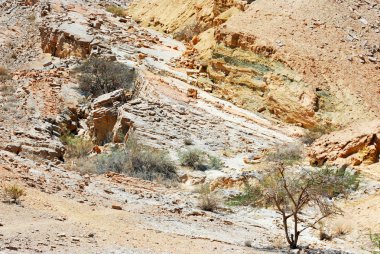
(4, 74)
(99, 76)
(199, 160)
(375, 239)
(341, 229)
(139, 161)
(13, 192)
(323, 234)
(207, 200)
(83, 165)
(76, 147)
(116, 10)
(287, 154)
(318, 131)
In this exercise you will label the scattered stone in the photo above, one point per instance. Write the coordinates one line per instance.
(117, 207)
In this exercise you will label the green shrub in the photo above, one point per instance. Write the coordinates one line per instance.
(199, 160)
(375, 239)
(138, 161)
(99, 76)
(248, 197)
(116, 10)
(193, 158)
(288, 154)
(215, 162)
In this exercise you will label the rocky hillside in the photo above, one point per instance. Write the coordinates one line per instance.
(213, 93)
(306, 63)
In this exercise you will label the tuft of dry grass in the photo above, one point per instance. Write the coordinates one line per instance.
(14, 192)
(341, 229)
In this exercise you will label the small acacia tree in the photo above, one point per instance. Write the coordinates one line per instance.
(290, 192)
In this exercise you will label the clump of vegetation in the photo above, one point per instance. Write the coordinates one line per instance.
(291, 192)
(76, 147)
(375, 239)
(248, 197)
(341, 229)
(14, 192)
(4, 74)
(208, 201)
(188, 142)
(199, 160)
(139, 161)
(99, 76)
(289, 154)
(116, 10)
(317, 132)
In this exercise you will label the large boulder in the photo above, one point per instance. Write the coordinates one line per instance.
(355, 145)
(103, 116)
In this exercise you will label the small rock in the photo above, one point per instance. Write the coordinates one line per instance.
(117, 207)
(75, 239)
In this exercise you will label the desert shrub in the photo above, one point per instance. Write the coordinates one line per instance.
(14, 192)
(139, 161)
(318, 131)
(248, 197)
(288, 154)
(215, 162)
(193, 158)
(83, 165)
(375, 239)
(98, 76)
(207, 200)
(4, 74)
(76, 147)
(116, 10)
(199, 160)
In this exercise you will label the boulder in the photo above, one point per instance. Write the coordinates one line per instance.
(104, 115)
(354, 145)
(123, 127)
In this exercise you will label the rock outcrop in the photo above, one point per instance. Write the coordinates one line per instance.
(355, 145)
(184, 18)
(103, 116)
(66, 39)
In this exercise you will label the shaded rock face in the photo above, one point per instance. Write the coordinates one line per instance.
(104, 115)
(30, 2)
(66, 40)
(355, 145)
(41, 141)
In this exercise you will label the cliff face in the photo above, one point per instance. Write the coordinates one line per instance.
(306, 63)
(183, 18)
